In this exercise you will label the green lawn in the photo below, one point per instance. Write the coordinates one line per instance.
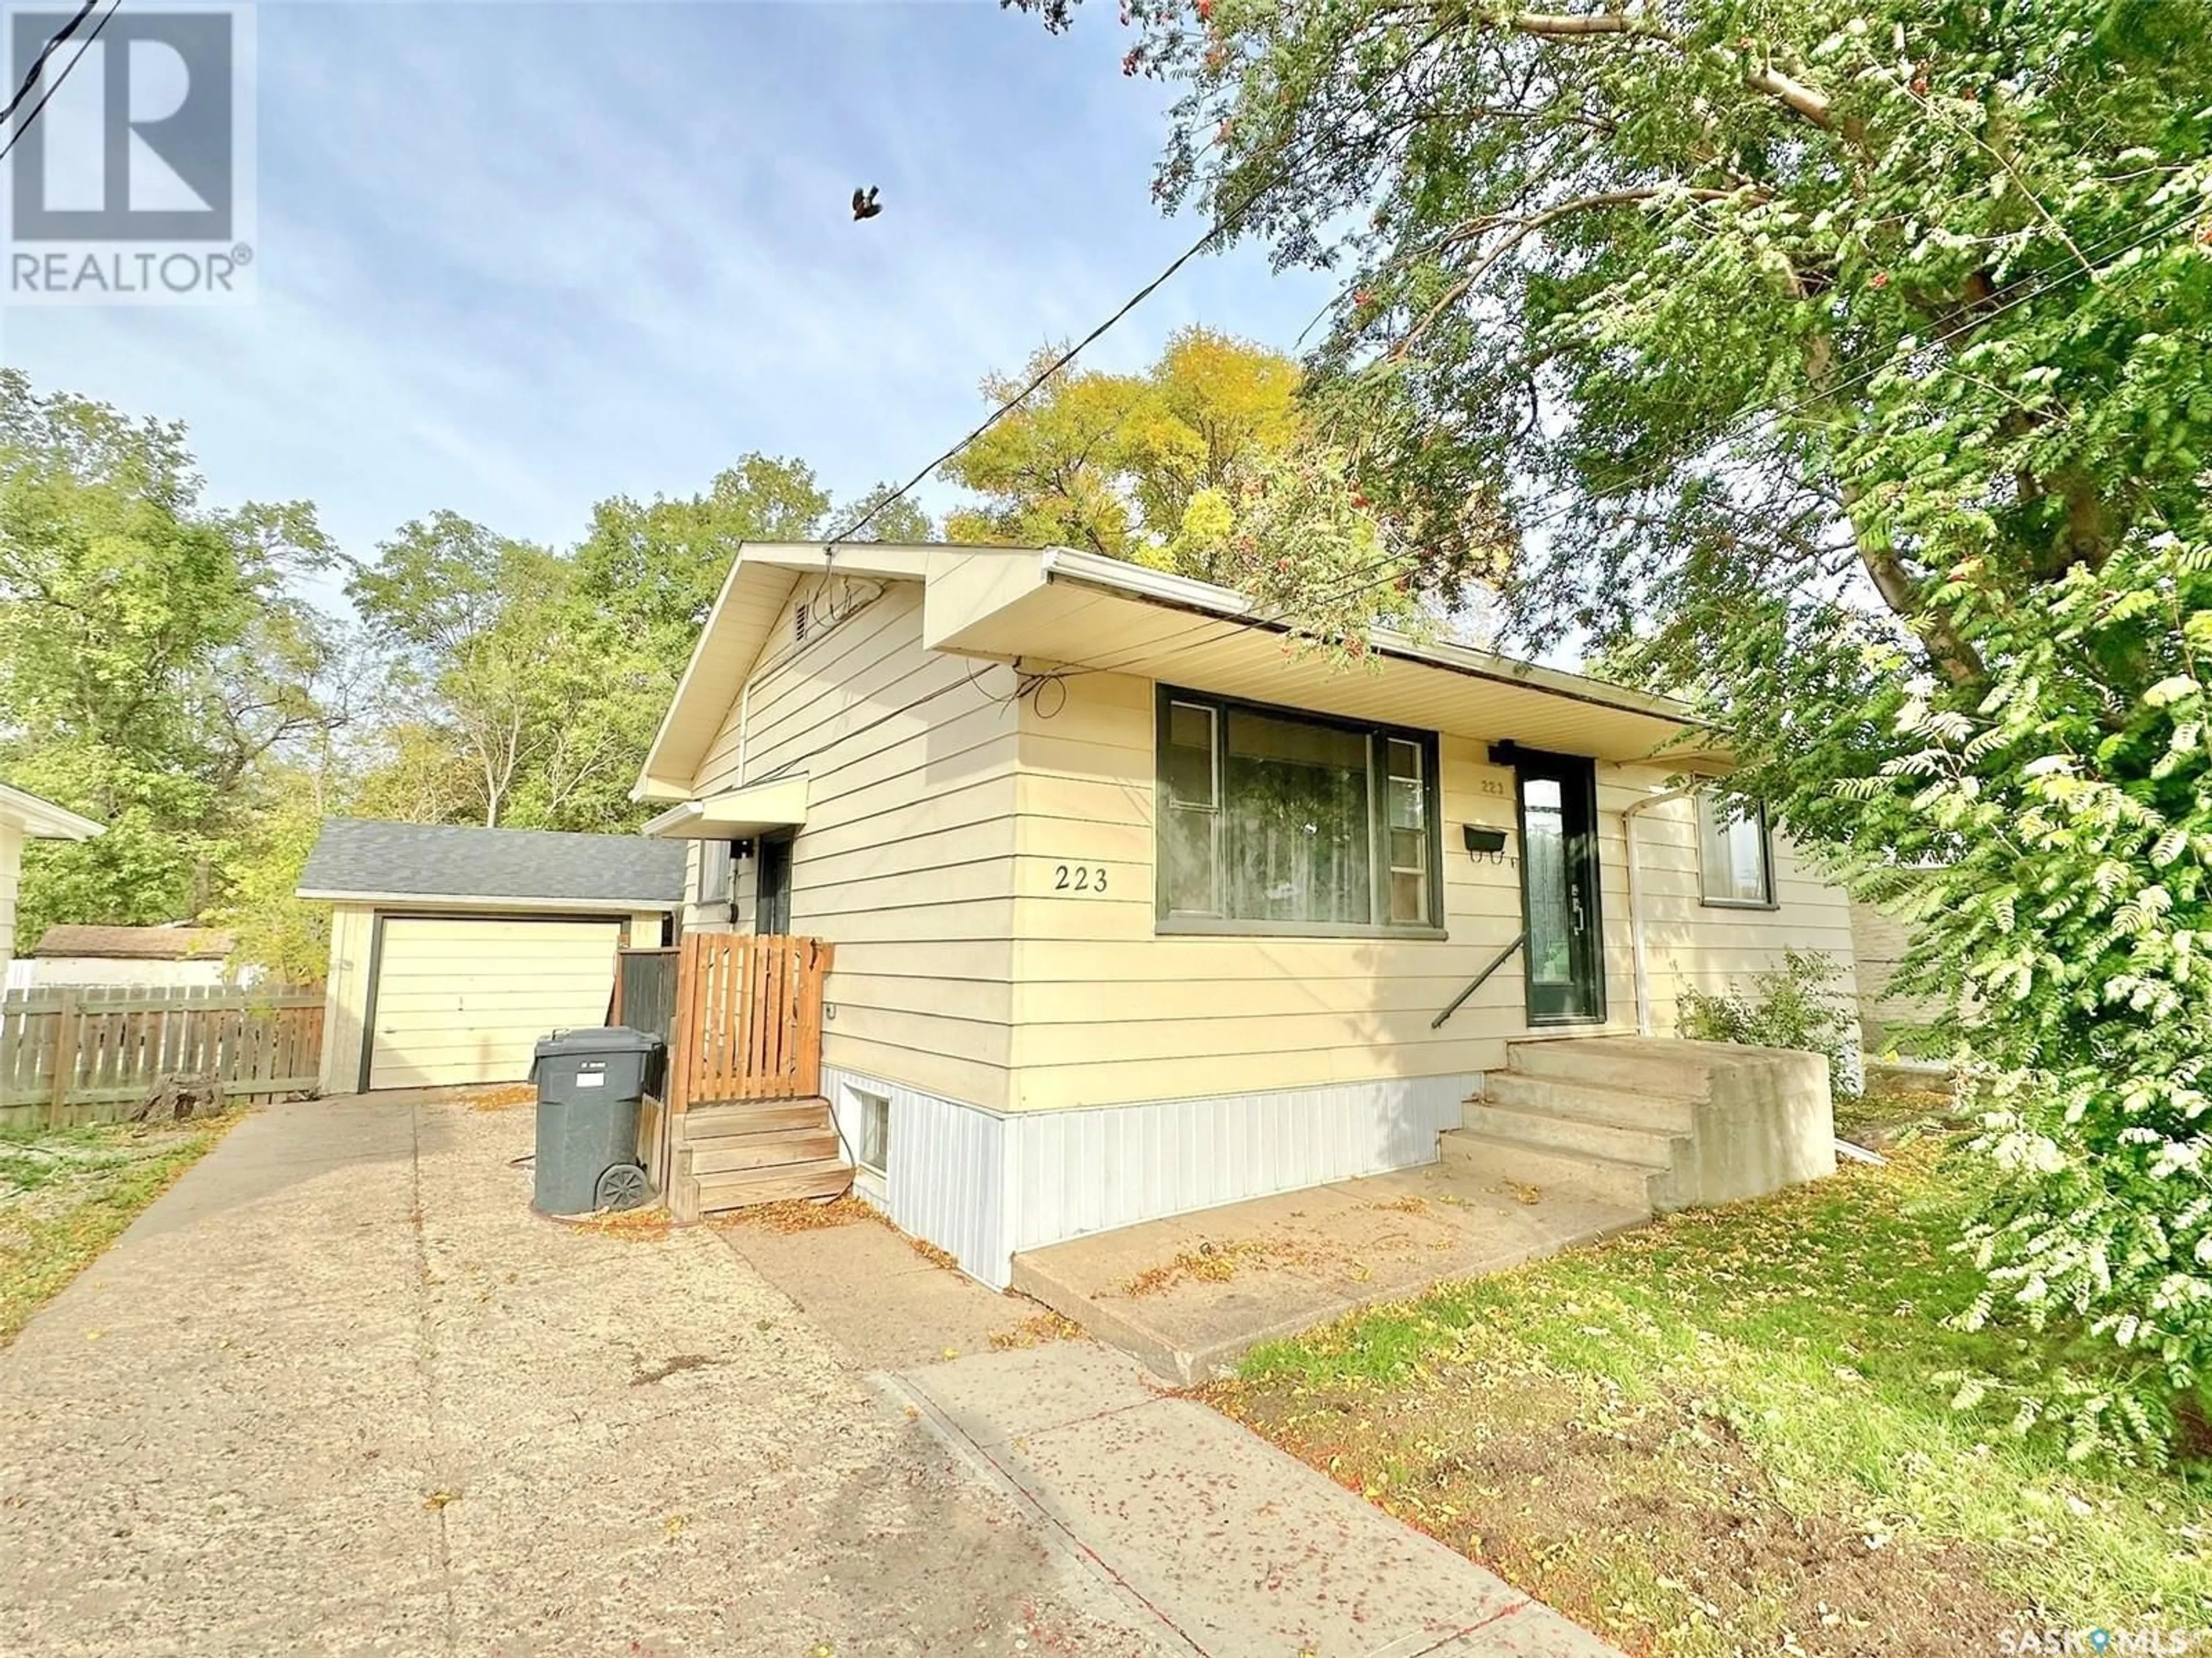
(1717, 1435)
(67, 1193)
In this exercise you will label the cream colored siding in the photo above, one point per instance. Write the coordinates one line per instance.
(345, 997)
(906, 861)
(465, 999)
(1880, 941)
(1711, 946)
(11, 880)
(1105, 1010)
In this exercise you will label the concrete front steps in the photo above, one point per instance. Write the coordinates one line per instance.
(732, 1157)
(1650, 1124)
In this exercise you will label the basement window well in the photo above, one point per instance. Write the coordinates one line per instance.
(874, 1150)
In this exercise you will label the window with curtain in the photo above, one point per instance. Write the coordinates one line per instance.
(1735, 854)
(1271, 821)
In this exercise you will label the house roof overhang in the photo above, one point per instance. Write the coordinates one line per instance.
(477, 904)
(1053, 608)
(43, 820)
(763, 578)
(1078, 609)
(735, 814)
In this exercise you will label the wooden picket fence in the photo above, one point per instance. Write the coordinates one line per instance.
(747, 1022)
(90, 1053)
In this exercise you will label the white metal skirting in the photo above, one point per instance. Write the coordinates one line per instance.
(983, 1185)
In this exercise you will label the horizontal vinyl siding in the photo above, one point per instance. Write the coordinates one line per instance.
(345, 996)
(11, 878)
(904, 863)
(1879, 943)
(1106, 1011)
(1712, 947)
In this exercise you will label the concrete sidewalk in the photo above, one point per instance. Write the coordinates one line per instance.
(1228, 1546)
(1189, 1294)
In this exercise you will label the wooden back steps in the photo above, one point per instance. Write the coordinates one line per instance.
(732, 1157)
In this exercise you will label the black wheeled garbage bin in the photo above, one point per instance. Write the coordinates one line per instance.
(590, 1085)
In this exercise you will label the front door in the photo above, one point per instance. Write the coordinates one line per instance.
(1565, 949)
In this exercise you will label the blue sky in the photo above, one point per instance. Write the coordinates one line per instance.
(513, 258)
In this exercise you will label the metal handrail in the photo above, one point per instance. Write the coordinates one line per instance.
(1479, 979)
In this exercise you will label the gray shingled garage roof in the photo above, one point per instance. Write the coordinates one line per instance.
(359, 859)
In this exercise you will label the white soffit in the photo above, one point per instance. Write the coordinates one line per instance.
(1081, 609)
(735, 814)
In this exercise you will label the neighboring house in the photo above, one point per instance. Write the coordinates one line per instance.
(1878, 942)
(453, 950)
(177, 955)
(1140, 910)
(24, 817)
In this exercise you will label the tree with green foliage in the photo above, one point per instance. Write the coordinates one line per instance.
(1842, 365)
(544, 698)
(534, 680)
(155, 666)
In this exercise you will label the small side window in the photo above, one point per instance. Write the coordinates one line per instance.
(1736, 863)
(714, 872)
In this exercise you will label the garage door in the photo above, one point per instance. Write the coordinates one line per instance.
(465, 1000)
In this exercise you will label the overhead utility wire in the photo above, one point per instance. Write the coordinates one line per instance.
(39, 63)
(31, 74)
(1228, 625)
(1652, 475)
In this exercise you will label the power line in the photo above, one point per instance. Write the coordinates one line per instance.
(37, 109)
(31, 74)
(1221, 225)
(1226, 626)
(1653, 474)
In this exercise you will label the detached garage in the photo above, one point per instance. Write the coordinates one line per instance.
(453, 950)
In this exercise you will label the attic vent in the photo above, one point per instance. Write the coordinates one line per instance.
(801, 616)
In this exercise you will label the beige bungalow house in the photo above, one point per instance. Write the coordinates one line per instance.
(1137, 910)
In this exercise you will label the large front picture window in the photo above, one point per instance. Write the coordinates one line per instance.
(1271, 821)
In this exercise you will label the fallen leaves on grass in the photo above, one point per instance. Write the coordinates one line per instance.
(1714, 1436)
(1038, 1329)
(67, 1193)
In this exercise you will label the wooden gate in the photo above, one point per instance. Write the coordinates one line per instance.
(748, 1019)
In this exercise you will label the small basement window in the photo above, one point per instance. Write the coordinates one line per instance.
(1735, 855)
(874, 1151)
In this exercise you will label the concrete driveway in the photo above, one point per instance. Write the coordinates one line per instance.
(339, 1393)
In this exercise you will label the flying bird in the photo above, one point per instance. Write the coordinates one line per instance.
(865, 205)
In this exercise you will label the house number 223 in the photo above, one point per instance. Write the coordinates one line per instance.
(1078, 877)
